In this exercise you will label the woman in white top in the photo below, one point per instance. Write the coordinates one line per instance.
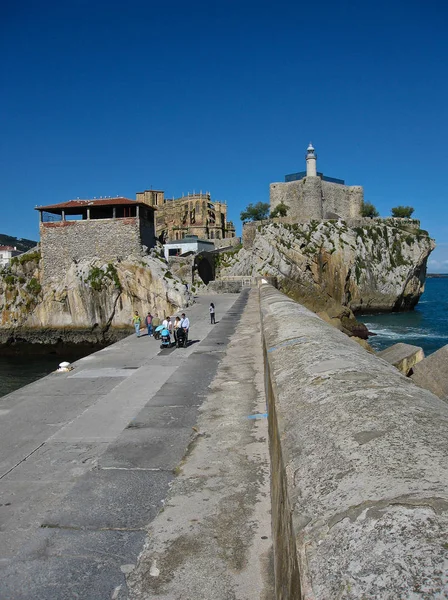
(212, 314)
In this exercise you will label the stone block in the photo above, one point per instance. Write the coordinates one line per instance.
(432, 373)
(402, 356)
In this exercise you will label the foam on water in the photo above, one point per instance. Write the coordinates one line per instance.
(426, 326)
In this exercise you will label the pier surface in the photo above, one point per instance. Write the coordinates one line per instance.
(89, 458)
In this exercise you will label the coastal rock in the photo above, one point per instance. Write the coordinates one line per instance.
(91, 295)
(363, 264)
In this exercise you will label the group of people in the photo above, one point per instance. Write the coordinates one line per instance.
(152, 321)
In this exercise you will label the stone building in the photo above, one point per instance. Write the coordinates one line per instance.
(194, 214)
(109, 229)
(312, 195)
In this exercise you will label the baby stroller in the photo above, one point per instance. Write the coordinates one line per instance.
(166, 339)
(181, 338)
(157, 331)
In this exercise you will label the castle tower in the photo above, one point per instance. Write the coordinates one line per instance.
(311, 159)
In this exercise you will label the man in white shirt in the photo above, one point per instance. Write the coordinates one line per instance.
(185, 323)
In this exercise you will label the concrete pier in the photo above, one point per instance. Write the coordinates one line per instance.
(146, 474)
(88, 457)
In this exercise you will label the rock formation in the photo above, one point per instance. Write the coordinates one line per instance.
(361, 264)
(92, 296)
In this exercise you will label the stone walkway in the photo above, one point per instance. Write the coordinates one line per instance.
(213, 538)
(87, 458)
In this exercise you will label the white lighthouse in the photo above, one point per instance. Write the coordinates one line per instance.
(311, 159)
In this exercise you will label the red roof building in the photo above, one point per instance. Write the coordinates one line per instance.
(98, 208)
(109, 229)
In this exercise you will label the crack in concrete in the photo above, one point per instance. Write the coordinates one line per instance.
(135, 469)
(23, 460)
(84, 528)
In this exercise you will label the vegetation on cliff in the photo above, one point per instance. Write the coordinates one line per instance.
(369, 264)
(90, 294)
(20, 287)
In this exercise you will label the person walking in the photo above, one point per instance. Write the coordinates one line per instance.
(212, 314)
(148, 322)
(136, 320)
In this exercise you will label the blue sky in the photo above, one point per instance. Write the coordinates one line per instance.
(104, 98)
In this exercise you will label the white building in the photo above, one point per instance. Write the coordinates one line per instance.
(187, 244)
(6, 253)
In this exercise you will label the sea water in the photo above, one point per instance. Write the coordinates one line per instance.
(25, 367)
(425, 326)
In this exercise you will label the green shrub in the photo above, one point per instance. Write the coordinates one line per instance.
(97, 276)
(369, 210)
(111, 273)
(27, 257)
(33, 286)
(402, 212)
(281, 210)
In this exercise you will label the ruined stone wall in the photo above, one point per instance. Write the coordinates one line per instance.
(107, 239)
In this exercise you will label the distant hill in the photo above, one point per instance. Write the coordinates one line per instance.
(20, 243)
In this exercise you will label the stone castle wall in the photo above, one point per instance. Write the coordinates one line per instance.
(313, 198)
(108, 239)
(343, 200)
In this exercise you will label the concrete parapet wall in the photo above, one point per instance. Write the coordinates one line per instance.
(359, 466)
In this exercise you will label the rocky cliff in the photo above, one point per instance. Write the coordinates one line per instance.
(89, 301)
(362, 264)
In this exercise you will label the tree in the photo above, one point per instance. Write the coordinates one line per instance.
(281, 210)
(368, 210)
(256, 212)
(402, 212)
